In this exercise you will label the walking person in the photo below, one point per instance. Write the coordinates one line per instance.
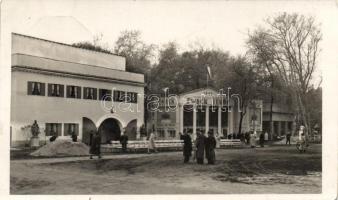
(187, 146)
(151, 143)
(261, 139)
(200, 145)
(210, 145)
(95, 147)
(288, 138)
(124, 141)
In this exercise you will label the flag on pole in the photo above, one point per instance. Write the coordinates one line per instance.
(165, 89)
(209, 72)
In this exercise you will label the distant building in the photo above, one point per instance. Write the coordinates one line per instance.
(283, 118)
(198, 110)
(63, 87)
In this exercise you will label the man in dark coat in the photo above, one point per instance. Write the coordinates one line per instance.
(210, 145)
(95, 147)
(247, 137)
(200, 145)
(124, 141)
(288, 138)
(187, 147)
(261, 139)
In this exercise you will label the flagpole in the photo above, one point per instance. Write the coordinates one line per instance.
(207, 79)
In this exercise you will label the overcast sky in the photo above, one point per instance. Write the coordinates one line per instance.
(220, 24)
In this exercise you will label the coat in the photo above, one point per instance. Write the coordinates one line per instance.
(95, 147)
(187, 147)
(200, 145)
(151, 142)
(124, 139)
(210, 145)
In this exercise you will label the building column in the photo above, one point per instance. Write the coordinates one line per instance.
(206, 119)
(219, 123)
(194, 122)
(155, 121)
(62, 130)
(293, 128)
(230, 121)
(138, 134)
(177, 119)
(272, 130)
(166, 135)
(181, 122)
(261, 118)
(279, 128)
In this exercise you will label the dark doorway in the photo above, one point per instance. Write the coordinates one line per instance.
(109, 130)
(88, 126)
(131, 129)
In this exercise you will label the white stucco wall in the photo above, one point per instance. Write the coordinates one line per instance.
(39, 60)
(26, 108)
(75, 68)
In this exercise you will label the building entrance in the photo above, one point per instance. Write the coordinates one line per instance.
(109, 130)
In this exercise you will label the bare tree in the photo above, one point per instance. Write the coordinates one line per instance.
(288, 48)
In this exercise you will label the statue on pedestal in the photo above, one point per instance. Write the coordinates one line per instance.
(35, 135)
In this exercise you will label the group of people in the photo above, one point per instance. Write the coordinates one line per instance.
(202, 146)
(252, 137)
(95, 143)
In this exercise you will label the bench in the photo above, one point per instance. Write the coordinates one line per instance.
(229, 143)
(139, 145)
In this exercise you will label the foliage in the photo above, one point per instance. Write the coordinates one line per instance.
(246, 80)
(137, 53)
(186, 71)
(91, 46)
(288, 48)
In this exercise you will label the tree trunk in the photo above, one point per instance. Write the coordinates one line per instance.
(301, 106)
(271, 111)
(240, 122)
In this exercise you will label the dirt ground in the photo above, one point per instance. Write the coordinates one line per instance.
(276, 169)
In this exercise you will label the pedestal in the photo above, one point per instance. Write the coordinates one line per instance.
(35, 141)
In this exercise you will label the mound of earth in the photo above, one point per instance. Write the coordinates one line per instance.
(62, 148)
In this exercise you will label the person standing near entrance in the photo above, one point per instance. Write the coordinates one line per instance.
(187, 146)
(210, 145)
(95, 148)
(124, 141)
(151, 143)
(200, 145)
(288, 138)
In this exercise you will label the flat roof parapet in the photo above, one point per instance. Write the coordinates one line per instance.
(28, 45)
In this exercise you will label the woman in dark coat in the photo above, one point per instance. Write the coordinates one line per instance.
(210, 145)
(187, 147)
(200, 145)
(95, 147)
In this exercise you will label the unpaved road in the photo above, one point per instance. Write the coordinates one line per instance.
(276, 169)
